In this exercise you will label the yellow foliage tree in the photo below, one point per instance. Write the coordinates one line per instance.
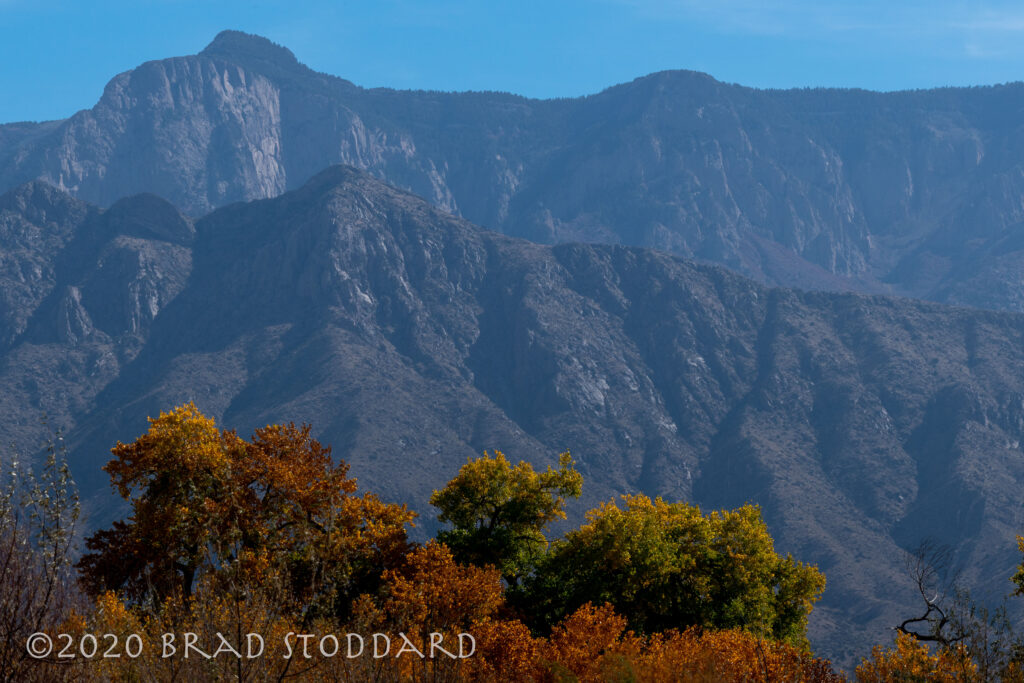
(910, 661)
(499, 512)
(205, 502)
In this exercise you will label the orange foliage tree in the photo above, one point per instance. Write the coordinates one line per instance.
(593, 644)
(910, 660)
(205, 501)
(432, 599)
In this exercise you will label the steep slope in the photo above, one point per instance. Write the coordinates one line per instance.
(79, 288)
(412, 339)
(912, 193)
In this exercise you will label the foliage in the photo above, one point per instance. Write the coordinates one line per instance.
(593, 644)
(910, 660)
(498, 512)
(1018, 578)
(229, 537)
(666, 565)
(207, 502)
(958, 626)
(37, 524)
(433, 594)
(433, 591)
(173, 476)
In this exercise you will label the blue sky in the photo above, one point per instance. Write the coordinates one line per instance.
(56, 55)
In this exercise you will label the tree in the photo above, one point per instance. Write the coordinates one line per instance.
(292, 503)
(964, 631)
(593, 644)
(911, 660)
(38, 514)
(431, 597)
(668, 566)
(930, 567)
(499, 512)
(206, 503)
(174, 476)
(1018, 578)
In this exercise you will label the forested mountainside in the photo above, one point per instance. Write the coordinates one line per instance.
(912, 193)
(412, 339)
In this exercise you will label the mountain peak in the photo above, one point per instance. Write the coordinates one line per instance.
(341, 175)
(42, 195)
(240, 46)
(342, 179)
(150, 217)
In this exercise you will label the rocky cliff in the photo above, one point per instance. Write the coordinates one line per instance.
(412, 339)
(913, 193)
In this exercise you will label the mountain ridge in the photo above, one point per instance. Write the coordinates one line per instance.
(367, 300)
(910, 192)
(412, 339)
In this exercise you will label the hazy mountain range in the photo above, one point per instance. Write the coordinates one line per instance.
(411, 338)
(915, 193)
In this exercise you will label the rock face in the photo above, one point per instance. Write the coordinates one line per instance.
(412, 339)
(913, 193)
(79, 290)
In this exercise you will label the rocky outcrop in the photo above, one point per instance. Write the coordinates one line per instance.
(913, 193)
(412, 340)
(79, 290)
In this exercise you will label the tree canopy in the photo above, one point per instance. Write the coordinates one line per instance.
(498, 512)
(667, 565)
(269, 536)
(205, 501)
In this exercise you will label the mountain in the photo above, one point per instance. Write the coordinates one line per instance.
(911, 193)
(412, 339)
(79, 289)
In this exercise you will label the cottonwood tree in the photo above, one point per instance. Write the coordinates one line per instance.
(667, 565)
(498, 512)
(204, 501)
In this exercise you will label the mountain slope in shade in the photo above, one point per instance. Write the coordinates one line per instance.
(412, 340)
(913, 193)
(79, 289)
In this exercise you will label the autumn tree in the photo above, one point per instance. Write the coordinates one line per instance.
(294, 504)
(498, 512)
(432, 599)
(1018, 578)
(667, 565)
(173, 476)
(911, 660)
(960, 628)
(595, 644)
(206, 502)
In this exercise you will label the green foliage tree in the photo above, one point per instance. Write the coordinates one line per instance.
(498, 512)
(667, 565)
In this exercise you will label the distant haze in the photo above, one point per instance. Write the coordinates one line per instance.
(57, 55)
(912, 193)
(277, 244)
